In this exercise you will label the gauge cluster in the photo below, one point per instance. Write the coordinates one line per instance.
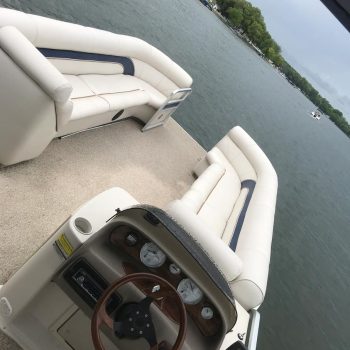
(146, 255)
(152, 256)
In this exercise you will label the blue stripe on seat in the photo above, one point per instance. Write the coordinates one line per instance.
(126, 62)
(250, 184)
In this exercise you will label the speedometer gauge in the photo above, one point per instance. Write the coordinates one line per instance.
(151, 255)
(189, 292)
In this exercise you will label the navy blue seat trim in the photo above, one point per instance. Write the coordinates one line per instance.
(126, 62)
(250, 184)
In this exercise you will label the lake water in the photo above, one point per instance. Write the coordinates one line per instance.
(307, 304)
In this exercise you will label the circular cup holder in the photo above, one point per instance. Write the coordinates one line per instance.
(83, 226)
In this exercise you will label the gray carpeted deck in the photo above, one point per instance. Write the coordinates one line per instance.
(38, 195)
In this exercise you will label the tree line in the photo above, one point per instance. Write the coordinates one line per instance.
(242, 15)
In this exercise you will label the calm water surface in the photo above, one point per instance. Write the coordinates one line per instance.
(307, 304)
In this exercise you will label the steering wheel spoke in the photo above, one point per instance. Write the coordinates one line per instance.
(134, 320)
(151, 339)
(161, 346)
(107, 320)
(146, 303)
(118, 328)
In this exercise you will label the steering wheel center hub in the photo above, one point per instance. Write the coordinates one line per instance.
(133, 320)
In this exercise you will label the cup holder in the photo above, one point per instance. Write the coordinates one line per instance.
(83, 225)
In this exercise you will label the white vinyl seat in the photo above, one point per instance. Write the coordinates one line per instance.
(104, 85)
(98, 94)
(88, 78)
(233, 200)
(84, 107)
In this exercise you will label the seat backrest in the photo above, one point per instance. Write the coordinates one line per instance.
(76, 49)
(255, 238)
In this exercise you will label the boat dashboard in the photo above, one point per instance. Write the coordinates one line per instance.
(147, 256)
(124, 247)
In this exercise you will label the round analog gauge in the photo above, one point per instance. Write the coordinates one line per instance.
(151, 255)
(189, 291)
(207, 313)
(174, 269)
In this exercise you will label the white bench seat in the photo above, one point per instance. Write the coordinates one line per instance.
(89, 77)
(234, 199)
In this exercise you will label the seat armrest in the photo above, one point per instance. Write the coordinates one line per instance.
(34, 64)
(204, 185)
(218, 251)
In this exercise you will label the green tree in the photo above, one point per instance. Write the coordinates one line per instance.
(235, 16)
(278, 60)
(255, 32)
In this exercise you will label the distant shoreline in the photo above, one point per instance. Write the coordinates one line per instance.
(295, 79)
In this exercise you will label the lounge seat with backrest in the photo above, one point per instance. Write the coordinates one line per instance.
(58, 78)
(230, 210)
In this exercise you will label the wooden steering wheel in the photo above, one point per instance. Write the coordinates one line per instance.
(133, 320)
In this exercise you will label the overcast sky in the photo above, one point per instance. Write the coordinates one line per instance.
(314, 43)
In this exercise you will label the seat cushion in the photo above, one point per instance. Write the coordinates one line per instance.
(123, 100)
(117, 83)
(223, 196)
(100, 95)
(88, 106)
(80, 89)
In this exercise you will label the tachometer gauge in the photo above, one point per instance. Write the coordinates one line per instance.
(151, 255)
(189, 291)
